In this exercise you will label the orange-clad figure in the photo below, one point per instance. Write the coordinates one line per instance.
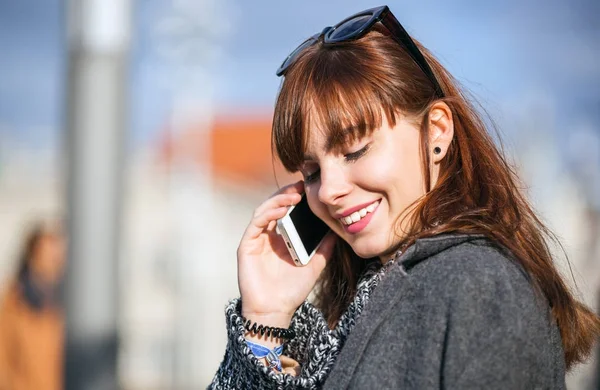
(31, 318)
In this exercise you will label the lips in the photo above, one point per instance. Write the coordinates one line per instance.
(357, 218)
(351, 216)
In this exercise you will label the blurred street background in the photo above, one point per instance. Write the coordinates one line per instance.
(142, 128)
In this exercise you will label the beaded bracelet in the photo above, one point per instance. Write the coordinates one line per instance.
(283, 333)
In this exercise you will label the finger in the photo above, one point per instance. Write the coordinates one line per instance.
(297, 187)
(323, 253)
(281, 200)
(261, 222)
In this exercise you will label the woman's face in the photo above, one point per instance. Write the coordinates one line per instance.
(362, 191)
(48, 257)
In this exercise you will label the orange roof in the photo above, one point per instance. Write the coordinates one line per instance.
(240, 150)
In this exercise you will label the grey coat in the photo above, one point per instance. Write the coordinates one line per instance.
(454, 312)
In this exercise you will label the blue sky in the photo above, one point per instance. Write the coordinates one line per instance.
(502, 51)
(31, 69)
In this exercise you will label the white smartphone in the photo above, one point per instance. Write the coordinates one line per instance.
(302, 232)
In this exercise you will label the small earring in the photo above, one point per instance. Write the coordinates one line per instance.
(437, 150)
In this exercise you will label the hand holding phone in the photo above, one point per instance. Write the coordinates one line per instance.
(271, 285)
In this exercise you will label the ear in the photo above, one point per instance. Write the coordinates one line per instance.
(441, 131)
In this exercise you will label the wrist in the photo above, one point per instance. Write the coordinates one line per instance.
(276, 320)
(267, 329)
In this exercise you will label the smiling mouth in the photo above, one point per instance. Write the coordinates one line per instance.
(358, 215)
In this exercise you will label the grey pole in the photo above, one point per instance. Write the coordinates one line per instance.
(98, 34)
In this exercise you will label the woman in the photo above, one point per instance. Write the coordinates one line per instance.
(448, 281)
(31, 320)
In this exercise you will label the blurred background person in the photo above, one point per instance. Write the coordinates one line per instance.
(31, 317)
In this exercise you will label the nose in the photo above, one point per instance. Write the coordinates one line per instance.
(334, 184)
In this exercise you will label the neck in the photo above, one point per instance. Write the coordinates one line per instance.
(392, 256)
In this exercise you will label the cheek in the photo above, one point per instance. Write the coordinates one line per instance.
(381, 171)
(413, 178)
(396, 173)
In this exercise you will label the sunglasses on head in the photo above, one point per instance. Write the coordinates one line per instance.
(356, 26)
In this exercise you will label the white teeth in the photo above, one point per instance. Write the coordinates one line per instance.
(357, 215)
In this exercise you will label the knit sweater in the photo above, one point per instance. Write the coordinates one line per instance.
(315, 346)
(452, 312)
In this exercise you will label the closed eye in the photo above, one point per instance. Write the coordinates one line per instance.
(351, 157)
(312, 177)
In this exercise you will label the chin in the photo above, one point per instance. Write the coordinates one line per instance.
(373, 246)
(367, 252)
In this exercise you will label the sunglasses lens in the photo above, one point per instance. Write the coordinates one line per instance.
(294, 54)
(349, 28)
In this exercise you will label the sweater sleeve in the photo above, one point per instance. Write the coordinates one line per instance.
(312, 347)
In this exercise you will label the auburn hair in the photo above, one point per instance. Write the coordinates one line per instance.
(354, 84)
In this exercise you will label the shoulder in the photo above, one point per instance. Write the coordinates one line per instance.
(475, 281)
(470, 292)
(10, 296)
(479, 267)
(11, 308)
(478, 287)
